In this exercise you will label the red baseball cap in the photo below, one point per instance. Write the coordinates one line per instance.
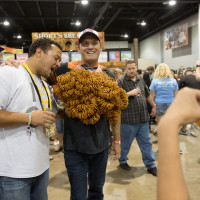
(88, 31)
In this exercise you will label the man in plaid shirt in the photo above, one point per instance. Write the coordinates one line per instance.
(135, 118)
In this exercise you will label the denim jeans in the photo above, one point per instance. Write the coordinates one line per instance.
(141, 132)
(162, 108)
(59, 126)
(24, 188)
(84, 170)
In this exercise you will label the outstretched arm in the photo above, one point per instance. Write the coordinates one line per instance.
(171, 183)
(198, 73)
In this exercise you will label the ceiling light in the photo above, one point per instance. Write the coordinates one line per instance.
(143, 23)
(126, 35)
(172, 3)
(84, 2)
(19, 36)
(6, 23)
(78, 23)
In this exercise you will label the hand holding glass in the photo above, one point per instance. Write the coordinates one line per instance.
(139, 91)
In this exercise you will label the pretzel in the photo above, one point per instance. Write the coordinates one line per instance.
(89, 95)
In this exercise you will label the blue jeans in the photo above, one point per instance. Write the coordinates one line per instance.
(84, 170)
(141, 132)
(162, 108)
(24, 188)
(59, 126)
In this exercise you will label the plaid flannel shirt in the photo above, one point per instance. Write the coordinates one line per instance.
(137, 106)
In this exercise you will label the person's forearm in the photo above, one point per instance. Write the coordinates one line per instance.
(115, 126)
(150, 100)
(152, 93)
(129, 94)
(9, 119)
(171, 184)
(198, 74)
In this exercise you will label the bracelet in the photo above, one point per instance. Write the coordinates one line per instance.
(29, 119)
(29, 124)
(154, 105)
(117, 142)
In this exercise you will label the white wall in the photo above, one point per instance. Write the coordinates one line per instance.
(144, 63)
(150, 48)
(130, 45)
(116, 44)
(153, 47)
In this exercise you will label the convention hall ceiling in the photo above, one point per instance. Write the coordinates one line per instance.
(114, 17)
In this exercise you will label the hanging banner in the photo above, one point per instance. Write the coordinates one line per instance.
(8, 55)
(103, 57)
(65, 57)
(1, 58)
(114, 56)
(125, 55)
(75, 56)
(176, 37)
(22, 57)
(1, 49)
(68, 40)
(11, 50)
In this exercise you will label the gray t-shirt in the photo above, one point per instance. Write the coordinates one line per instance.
(22, 155)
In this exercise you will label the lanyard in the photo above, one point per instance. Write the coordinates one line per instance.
(37, 90)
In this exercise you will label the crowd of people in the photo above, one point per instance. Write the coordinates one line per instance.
(28, 110)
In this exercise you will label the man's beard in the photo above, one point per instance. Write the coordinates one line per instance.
(132, 75)
(49, 81)
(52, 79)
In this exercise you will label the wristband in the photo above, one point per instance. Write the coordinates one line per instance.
(29, 119)
(117, 142)
(154, 105)
(29, 123)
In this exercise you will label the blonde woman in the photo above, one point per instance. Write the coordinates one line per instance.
(163, 89)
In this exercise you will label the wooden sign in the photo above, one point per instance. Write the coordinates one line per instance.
(68, 40)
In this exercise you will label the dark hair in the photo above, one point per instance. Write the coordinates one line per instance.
(139, 71)
(172, 70)
(44, 44)
(130, 62)
(150, 68)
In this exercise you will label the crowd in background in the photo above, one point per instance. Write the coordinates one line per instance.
(180, 75)
(177, 74)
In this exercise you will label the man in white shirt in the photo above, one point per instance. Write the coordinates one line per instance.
(24, 101)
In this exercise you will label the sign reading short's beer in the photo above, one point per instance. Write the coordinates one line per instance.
(68, 40)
